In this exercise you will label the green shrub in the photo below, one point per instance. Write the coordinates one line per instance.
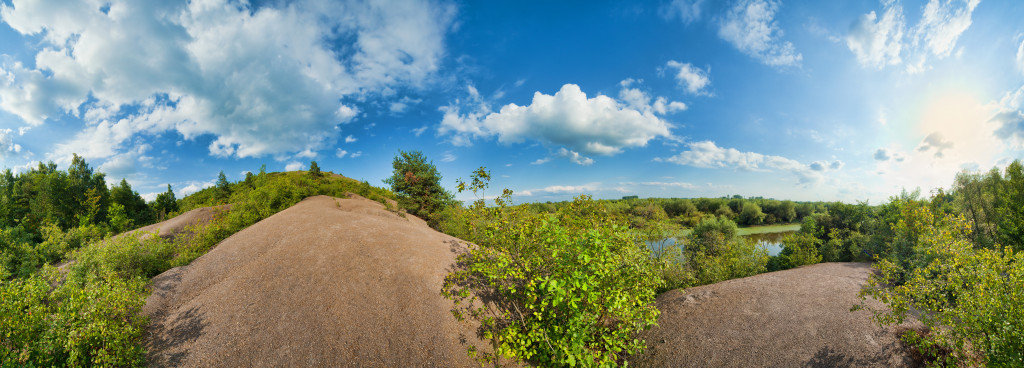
(715, 252)
(126, 257)
(970, 300)
(799, 249)
(563, 289)
(93, 323)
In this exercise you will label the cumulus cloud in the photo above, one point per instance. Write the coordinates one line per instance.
(706, 154)
(340, 153)
(575, 157)
(194, 186)
(7, 145)
(539, 161)
(598, 125)
(935, 141)
(691, 78)
(750, 26)
(877, 42)
(260, 79)
(126, 165)
(356, 154)
(350, 139)
(294, 166)
(880, 42)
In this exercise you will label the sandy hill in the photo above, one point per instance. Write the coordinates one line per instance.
(327, 282)
(177, 225)
(793, 318)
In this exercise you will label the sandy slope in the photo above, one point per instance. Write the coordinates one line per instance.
(177, 225)
(792, 318)
(327, 282)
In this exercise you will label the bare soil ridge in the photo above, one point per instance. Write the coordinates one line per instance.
(793, 318)
(327, 282)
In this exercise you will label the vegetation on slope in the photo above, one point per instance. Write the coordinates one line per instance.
(90, 316)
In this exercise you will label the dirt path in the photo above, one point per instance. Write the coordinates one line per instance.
(328, 282)
(793, 318)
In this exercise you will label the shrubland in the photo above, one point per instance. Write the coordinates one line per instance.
(88, 314)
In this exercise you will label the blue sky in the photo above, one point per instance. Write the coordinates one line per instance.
(802, 100)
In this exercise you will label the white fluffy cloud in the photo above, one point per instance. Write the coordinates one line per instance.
(691, 78)
(707, 154)
(878, 43)
(598, 125)
(262, 80)
(561, 189)
(7, 145)
(750, 26)
(294, 166)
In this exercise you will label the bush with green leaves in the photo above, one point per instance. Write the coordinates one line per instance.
(96, 322)
(563, 289)
(715, 252)
(971, 300)
(799, 249)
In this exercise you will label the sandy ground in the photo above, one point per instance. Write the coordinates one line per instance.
(327, 282)
(793, 318)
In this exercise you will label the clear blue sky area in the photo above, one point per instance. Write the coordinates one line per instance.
(804, 100)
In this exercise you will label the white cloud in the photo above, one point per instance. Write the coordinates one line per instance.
(878, 42)
(707, 154)
(194, 186)
(750, 26)
(687, 10)
(356, 154)
(674, 184)
(350, 139)
(7, 145)
(597, 125)
(420, 130)
(126, 165)
(294, 166)
(341, 153)
(261, 80)
(935, 141)
(942, 23)
(541, 161)
(575, 157)
(449, 157)
(1020, 56)
(561, 189)
(692, 78)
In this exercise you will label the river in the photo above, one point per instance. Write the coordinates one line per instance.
(771, 241)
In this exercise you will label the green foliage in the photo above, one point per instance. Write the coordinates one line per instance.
(165, 203)
(971, 300)
(715, 252)
(751, 214)
(223, 188)
(418, 185)
(799, 249)
(92, 323)
(314, 170)
(562, 289)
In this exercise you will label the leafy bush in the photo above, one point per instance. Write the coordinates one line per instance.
(93, 323)
(715, 252)
(799, 249)
(971, 300)
(418, 185)
(563, 289)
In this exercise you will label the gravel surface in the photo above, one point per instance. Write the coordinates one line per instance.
(793, 318)
(328, 282)
(177, 225)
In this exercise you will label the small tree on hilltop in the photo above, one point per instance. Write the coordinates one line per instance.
(165, 203)
(223, 188)
(314, 169)
(418, 184)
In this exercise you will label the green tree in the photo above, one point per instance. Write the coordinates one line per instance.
(751, 214)
(134, 205)
(1010, 206)
(165, 203)
(314, 169)
(418, 185)
(223, 192)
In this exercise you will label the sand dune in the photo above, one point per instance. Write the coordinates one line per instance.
(327, 282)
(792, 318)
